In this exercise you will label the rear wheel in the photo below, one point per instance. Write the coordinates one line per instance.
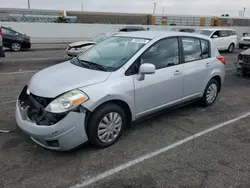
(16, 46)
(106, 125)
(210, 93)
(231, 48)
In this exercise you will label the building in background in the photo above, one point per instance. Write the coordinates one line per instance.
(32, 15)
(39, 15)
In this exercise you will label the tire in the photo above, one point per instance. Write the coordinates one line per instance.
(100, 119)
(15, 46)
(210, 87)
(231, 48)
(241, 46)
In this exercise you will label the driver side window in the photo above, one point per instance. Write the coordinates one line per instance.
(162, 54)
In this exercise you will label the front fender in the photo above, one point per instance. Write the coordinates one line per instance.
(121, 89)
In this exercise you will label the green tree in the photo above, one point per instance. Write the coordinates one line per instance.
(61, 19)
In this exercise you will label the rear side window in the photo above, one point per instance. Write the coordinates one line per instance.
(191, 49)
(205, 49)
(195, 49)
(223, 33)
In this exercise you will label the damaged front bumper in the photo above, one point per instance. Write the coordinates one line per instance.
(73, 52)
(64, 134)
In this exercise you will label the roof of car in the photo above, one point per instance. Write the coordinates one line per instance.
(214, 29)
(154, 34)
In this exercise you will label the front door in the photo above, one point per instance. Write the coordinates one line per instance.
(165, 86)
(219, 41)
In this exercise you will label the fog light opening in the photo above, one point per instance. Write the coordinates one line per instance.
(53, 143)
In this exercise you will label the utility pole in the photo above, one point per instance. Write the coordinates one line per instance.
(155, 3)
(82, 6)
(28, 4)
(163, 10)
(244, 10)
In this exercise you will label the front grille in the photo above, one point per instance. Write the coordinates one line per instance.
(246, 39)
(36, 109)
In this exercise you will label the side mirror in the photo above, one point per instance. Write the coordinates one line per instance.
(145, 68)
(215, 36)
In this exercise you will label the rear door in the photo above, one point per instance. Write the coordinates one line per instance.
(197, 66)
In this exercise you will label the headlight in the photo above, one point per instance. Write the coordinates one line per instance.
(67, 101)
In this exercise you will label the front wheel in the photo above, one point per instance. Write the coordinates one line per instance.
(231, 48)
(241, 46)
(15, 46)
(106, 125)
(210, 93)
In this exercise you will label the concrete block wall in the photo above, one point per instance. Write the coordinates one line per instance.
(64, 33)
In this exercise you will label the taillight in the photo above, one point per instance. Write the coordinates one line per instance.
(0, 32)
(221, 59)
(27, 38)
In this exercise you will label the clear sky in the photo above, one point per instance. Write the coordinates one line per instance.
(195, 7)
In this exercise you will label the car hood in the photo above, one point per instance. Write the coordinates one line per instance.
(58, 79)
(80, 43)
(245, 38)
(246, 52)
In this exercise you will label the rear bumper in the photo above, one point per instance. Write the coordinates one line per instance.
(2, 52)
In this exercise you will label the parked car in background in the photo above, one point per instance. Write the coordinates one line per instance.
(121, 79)
(76, 48)
(14, 40)
(244, 41)
(243, 64)
(188, 30)
(2, 52)
(225, 39)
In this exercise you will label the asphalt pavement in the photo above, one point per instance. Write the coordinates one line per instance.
(216, 153)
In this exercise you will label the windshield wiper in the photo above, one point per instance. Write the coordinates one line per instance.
(93, 65)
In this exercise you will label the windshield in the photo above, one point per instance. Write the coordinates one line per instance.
(113, 52)
(100, 37)
(204, 32)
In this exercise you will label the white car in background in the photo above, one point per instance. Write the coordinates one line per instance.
(244, 41)
(76, 48)
(225, 39)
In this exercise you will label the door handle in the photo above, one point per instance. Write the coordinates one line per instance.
(177, 72)
(208, 64)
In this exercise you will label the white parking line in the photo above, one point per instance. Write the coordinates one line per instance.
(155, 153)
(8, 102)
(18, 72)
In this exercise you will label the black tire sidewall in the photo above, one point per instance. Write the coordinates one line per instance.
(204, 98)
(95, 119)
(230, 47)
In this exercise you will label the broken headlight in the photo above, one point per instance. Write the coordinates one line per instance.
(67, 101)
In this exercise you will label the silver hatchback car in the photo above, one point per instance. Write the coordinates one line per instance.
(94, 96)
